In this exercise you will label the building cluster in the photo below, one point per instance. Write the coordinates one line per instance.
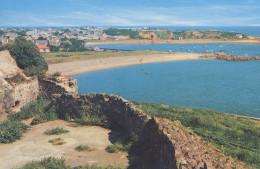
(44, 37)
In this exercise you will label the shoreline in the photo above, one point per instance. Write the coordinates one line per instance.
(253, 40)
(83, 66)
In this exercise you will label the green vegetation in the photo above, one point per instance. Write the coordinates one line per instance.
(62, 57)
(74, 46)
(12, 129)
(83, 148)
(122, 32)
(28, 57)
(59, 163)
(56, 131)
(57, 141)
(234, 136)
(15, 79)
(92, 120)
(116, 147)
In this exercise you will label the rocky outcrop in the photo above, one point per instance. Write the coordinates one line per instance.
(52, 85)
(227, 57)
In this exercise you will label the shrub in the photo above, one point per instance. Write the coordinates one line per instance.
(15, 79)
(56, 131)
(28, 57)
(59, 163)
(48, 163)
(83, 148)
(56, 74)
(57, 141)
(92, 120)
(114, 148)
(11, 131)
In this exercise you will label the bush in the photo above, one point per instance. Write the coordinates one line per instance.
(59, 163)
(92, 120)
(83, 148)
(57, 141)
(48, 163)
(62, 55)
(28, 57)
(56, 131)
(15, 79)
(11, 131)
(56, 74)
(114, 148)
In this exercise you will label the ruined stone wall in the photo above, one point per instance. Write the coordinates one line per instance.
(165, 144)
(120, 113)
(58, 85)
(25, 92)
(6, 99)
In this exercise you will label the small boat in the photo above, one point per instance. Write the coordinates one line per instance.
(205, 46)
(221, 46)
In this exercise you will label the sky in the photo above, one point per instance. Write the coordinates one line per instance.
(130, 12)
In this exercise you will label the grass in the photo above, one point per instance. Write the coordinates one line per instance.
(12, 129)
(234, 136)
(59, 163)
(54, 57)
(57, 141)
(56, 131)
(83, 148)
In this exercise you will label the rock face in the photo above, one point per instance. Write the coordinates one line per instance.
(165, 145)
(227, 57)
(14, 95)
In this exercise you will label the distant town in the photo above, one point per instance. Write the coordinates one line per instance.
(74, 39)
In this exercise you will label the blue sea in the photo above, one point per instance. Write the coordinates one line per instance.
(234, 49)
(223, 86)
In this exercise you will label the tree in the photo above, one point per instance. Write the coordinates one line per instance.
(28, 57)
(2, 32)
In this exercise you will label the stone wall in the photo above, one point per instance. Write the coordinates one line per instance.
(165, 144)
(7, 101)
(120, 113)
(25, 92)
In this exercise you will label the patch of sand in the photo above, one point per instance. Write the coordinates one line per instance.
(34, 146)
(76, 67)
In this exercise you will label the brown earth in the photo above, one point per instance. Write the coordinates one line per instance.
(34, 146)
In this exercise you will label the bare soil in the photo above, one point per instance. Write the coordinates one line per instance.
(34, 146)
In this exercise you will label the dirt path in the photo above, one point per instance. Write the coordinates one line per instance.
(34, 146)
(76, 67)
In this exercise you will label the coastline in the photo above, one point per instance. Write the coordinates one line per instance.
(251, 40)
(77, 67)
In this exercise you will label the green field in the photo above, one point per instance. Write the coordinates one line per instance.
(235, 136)
(60, 57)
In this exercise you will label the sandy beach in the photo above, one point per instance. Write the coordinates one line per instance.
(77, 67)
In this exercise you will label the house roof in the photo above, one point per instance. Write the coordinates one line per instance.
(42, 47)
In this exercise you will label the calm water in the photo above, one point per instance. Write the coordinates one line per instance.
(230, 87)
(234, 49)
